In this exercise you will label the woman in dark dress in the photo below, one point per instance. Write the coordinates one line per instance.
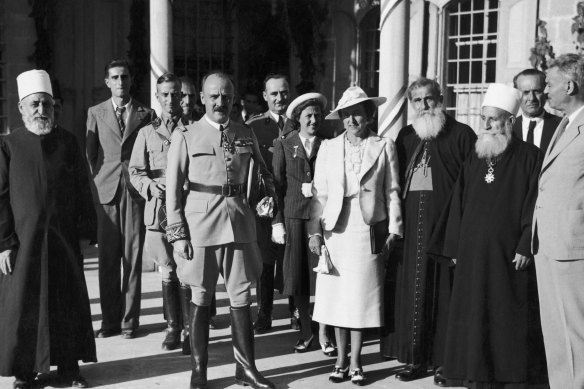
(293, 163)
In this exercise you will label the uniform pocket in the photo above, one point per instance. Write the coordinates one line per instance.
(202, 150)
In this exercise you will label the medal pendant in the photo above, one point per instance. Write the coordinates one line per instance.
(489, 177)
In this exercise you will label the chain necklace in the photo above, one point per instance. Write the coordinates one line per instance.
(424, 161)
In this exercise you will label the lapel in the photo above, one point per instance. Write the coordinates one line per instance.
(108, 116)
(570, 133)
(162, 130)
(297, 147)
(549, 127)
(315, 147)
(336, 167)
(137, 114)
(518, 127)
(373, 148)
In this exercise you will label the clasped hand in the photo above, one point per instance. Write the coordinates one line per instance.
(183, 249)
(158, 190)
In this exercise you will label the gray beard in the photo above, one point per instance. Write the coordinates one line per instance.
(37, 125)
(428, 125)
(491, 146)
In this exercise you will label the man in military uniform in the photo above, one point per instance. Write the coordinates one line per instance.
(148, 176)
(269, 127)
(212, 227)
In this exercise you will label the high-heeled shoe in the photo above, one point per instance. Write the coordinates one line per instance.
(357, 377)
(328, 349)
(339, 374)
(303, 346)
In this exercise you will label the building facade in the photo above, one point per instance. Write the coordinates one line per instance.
(324, 45)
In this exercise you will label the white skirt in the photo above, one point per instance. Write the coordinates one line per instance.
(352, 294)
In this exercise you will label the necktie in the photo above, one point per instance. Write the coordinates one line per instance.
(120, 117)
(307, 147)
(280, 123)
(532, 124)
(560, 130)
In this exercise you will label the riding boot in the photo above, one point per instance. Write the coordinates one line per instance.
(265, 298)
(185, 303)
(246, 372)
(199, 337)
(170, 296)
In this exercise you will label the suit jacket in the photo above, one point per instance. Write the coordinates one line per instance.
(379, 195)
(148, 164)
(292, 168)
(196, 155)
(267, 132)
(550, 123)
(108, 152)
(558, 219)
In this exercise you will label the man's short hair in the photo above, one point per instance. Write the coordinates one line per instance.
(117, 63)
(187, 80)
(218, 73)
(169, 77)
(271, 76)
(572, 67)
(423, 82)
(529, 72)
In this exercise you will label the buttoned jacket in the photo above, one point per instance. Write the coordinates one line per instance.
(558, 219)
(148, 164)
(108, 152)
(379, 194)
(196, 155)
(292, 168)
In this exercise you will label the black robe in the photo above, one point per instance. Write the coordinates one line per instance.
(45, 316)
(412, 329)
(493, 334)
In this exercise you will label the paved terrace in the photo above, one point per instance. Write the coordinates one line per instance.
(141, 364)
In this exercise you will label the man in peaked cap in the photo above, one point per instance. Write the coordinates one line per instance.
(493, 334)
(45, 317)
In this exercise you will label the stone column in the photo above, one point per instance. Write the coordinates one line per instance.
(393, 65)
(161, 47)
(433, 36)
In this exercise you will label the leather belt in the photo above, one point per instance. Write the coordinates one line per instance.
(157, 173)
(226, 190)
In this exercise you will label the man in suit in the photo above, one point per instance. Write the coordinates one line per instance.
(535, 125)
(558, 228)
(212, 227)
(112, 127)
(269, 128)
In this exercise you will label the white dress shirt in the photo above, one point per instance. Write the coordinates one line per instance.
(538, 130)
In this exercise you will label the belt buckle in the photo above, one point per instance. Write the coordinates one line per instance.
(226, 190)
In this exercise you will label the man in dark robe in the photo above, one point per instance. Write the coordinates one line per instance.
(493, 337)
(431, 152)
(45, 317)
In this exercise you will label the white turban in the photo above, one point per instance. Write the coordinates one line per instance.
(504, 97)
(33, 81)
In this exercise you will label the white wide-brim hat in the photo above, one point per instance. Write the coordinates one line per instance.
(302, 98)
(353, 96)
(503, 97)
(33, 81)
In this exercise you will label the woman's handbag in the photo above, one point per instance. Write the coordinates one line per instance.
(325, 264)
(378, 235)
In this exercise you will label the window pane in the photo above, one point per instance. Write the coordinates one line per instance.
(478, 5)
(477, 72)
(477, 51)
(465, 25)
(491, 69)
(491, 50)
(478, 23)
(493, 3)
(464, 52)
(452, 50)
(452, 73)
(463, 76)
(465, 5)
(492, 22)
(453, 28)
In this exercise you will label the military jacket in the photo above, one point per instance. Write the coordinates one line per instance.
(197, 155)
(148, 164)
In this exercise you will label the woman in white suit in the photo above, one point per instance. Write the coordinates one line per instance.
(356, 186)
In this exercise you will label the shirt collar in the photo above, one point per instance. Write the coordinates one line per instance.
(217, 125)
(303, 138)
(537, 119)
(574, 114)
(127, 106)
(277, 117)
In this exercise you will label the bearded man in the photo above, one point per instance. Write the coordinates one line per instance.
(431, 151)
(45, 317)
(493, 337)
